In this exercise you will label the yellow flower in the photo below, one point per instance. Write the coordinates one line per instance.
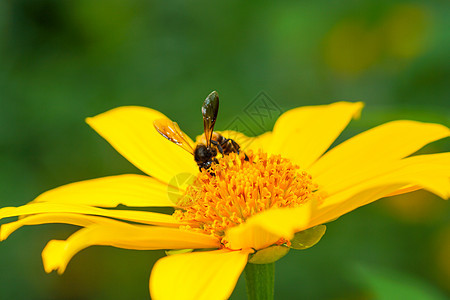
(287, 184)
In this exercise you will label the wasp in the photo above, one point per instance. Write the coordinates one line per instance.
(206, 151)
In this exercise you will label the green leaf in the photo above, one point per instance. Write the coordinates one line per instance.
(308, 238)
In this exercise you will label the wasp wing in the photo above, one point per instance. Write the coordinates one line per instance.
(171, 131)
(210, 109)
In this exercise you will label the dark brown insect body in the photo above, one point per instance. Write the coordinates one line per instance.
(213, 143)
(224, 145)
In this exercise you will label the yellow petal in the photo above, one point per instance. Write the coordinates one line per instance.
(129, 190)
(65, 218)
(391, 168)
(197, 275)
(250, 235)
(430, 172)
(57, 254)
(285, 222)
(347, 201)
(262, 141)
(364, 152)
(130, 131)
(404, 190)
(305, 133)
(266, 228)
(129, 215)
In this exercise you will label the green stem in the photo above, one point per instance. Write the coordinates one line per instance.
(260, 281)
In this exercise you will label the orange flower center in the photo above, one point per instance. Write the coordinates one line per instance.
(240, 188)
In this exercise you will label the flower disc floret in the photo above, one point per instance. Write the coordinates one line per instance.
(240, 186)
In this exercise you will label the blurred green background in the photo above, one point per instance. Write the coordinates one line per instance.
(62, 61)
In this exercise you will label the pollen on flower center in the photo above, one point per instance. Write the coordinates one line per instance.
(237, 188)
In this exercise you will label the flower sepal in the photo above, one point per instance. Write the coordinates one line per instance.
(178, 251)
(308, 238)
(268, 255)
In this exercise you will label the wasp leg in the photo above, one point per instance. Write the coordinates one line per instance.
(215, 143)
(237, 148)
